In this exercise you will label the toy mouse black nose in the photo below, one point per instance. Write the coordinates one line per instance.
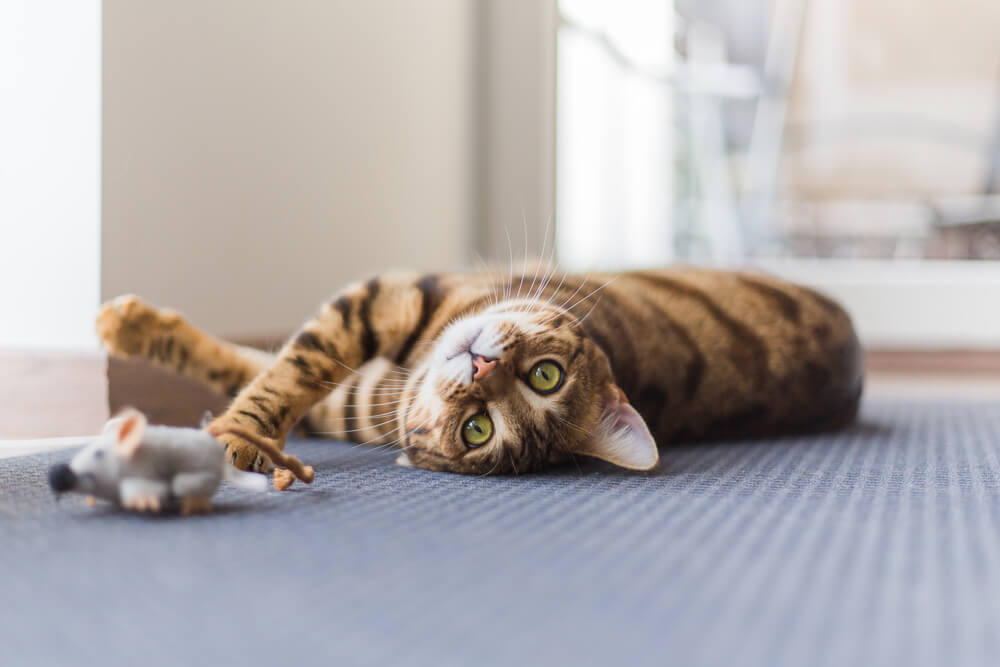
(61, 477)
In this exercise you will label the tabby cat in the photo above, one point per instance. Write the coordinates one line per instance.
(479, 374)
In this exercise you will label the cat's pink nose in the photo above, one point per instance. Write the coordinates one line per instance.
(482, 366)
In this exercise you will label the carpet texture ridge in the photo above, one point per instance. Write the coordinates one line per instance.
(875, 545)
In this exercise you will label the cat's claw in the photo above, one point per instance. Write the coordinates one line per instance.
(244, 455)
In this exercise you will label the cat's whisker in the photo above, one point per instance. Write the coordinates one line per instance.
(524, 258)
(584, 318)
(390, 383)
(388, 396)
(549, 262)
(355, 430)
(513, 465)
(582, 299)
(541, 258)
(383, 392)
(548, 279)
(409, 431)
(391, 443)
(562, 281)
(547, 270)
(369, 405)
(571, 296)
(510, 265)
(353, 371)
(529, 297)
(372, 416)
(399, 370)
(377, 416)
(566, 304)
(498, 459)
(580, 320)
(571, 424)
(494, 295)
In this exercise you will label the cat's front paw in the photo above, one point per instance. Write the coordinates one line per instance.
(244, 455)
(127, 324)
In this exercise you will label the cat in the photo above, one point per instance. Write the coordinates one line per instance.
(479, 374)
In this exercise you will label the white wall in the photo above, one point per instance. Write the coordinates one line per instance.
(257, 154)
(50, 76)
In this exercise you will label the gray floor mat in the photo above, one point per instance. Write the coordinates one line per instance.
(876, 545)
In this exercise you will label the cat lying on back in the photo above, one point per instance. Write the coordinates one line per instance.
(475, 374)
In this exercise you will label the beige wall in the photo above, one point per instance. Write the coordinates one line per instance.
(257, 154)
(516, 116)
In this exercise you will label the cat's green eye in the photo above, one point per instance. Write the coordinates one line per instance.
(477, 430)
(545, 377)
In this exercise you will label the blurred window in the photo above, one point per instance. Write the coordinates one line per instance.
(850, 144)
(50, 134)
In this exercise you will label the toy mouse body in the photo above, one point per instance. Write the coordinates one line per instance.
(149, 468)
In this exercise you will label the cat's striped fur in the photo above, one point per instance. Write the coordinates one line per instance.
(699, 353)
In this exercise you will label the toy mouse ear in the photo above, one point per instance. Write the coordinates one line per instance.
(622, 437)
(113, 424)
(130, 427)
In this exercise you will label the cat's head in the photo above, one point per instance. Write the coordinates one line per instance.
(515, 388)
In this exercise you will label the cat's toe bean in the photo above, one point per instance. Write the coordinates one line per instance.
(244, 455)
(125, 325)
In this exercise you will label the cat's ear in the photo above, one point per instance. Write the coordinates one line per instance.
(130, 425)
(622, 436)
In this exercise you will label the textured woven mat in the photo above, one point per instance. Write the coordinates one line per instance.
(877, 545)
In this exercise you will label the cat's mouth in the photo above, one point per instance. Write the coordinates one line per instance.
(465, 347)
(470, 350)
(480, 365)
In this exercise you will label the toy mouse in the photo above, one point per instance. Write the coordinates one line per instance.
(149, 468)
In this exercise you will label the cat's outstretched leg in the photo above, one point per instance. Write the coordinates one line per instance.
(386, 317)
(131, 328)
(359, 409)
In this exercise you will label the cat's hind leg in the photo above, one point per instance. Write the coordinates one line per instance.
(131, 328)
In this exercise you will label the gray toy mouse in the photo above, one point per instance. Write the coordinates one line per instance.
(149, 468)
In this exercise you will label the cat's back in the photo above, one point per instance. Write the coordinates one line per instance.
(734, 353)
